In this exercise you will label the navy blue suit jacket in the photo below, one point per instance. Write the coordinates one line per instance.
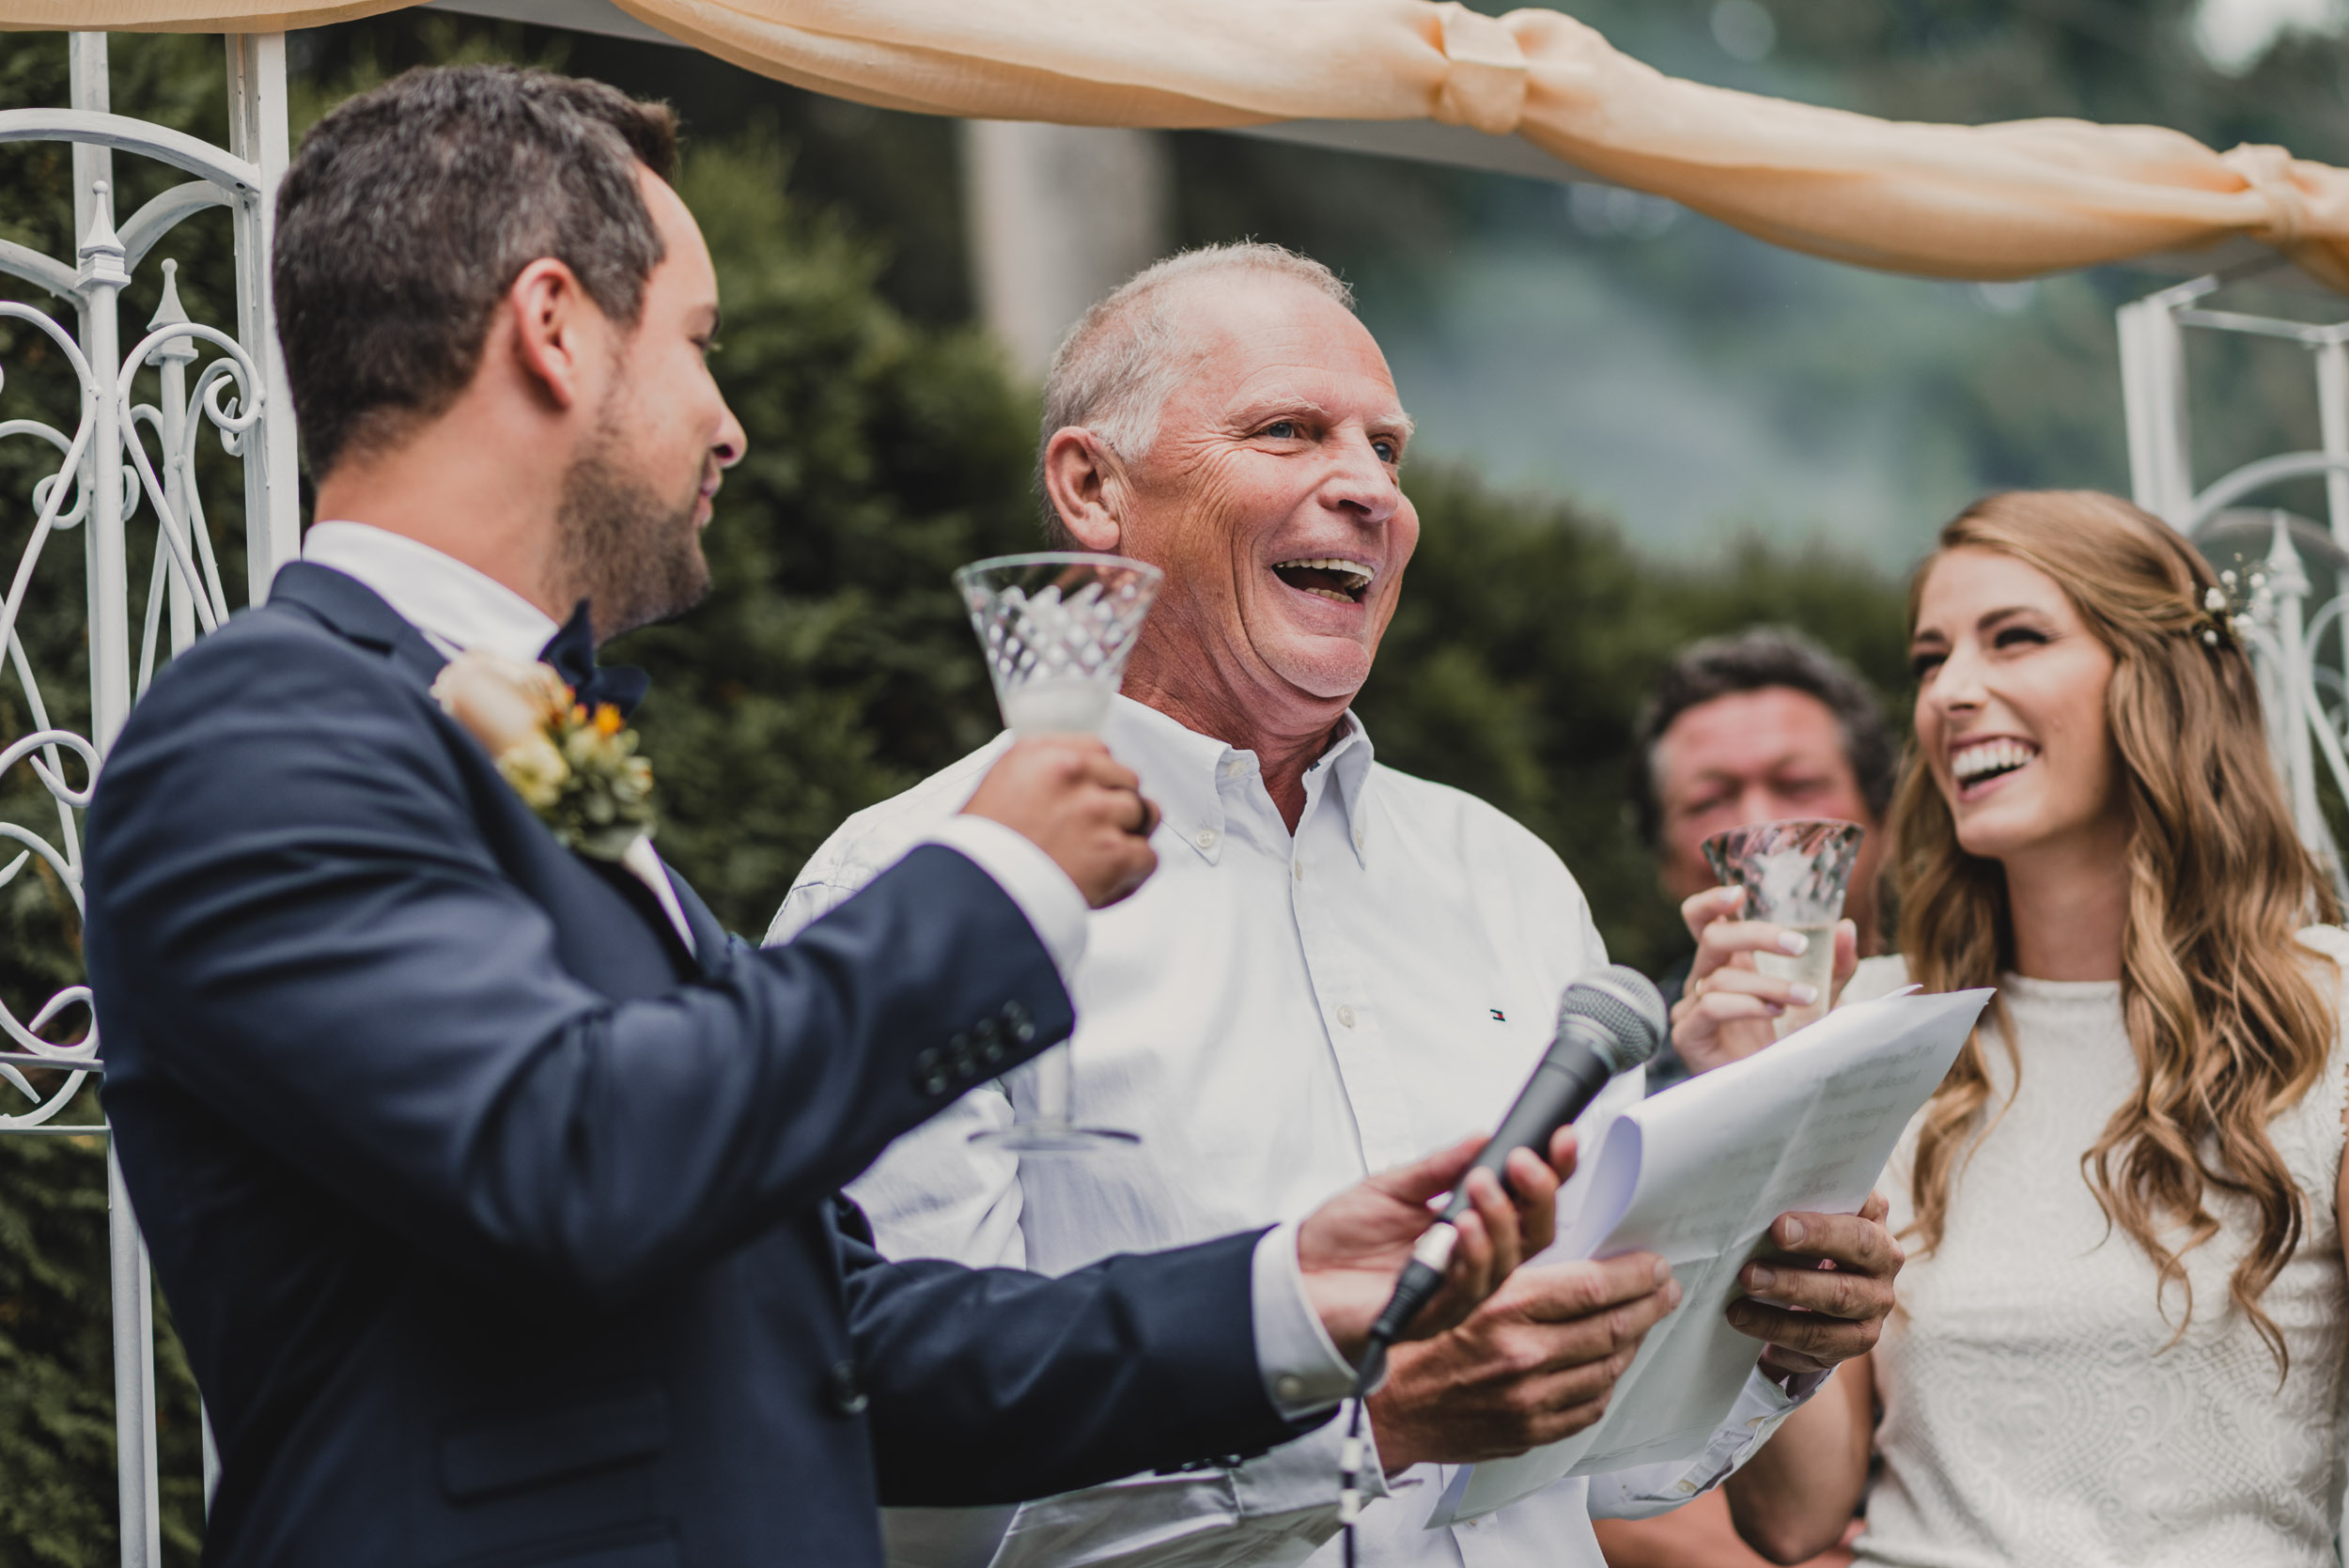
(501, 1229)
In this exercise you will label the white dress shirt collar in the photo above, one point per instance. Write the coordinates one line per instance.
(1187, 773)
(454, 606)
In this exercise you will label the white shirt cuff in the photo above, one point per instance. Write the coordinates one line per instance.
(1033, 878)
(1301, 1365)
(1763, 1407)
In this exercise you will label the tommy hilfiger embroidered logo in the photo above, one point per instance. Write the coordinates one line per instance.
(1497, 1014)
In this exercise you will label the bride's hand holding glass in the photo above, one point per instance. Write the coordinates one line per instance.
(1728, 1009)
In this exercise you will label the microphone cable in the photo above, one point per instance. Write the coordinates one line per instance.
(1350, 1451)
(1413, 1289)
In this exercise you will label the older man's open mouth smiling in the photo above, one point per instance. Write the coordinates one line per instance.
(1331, 576)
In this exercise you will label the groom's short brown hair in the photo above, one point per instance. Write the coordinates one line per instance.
(411, 209)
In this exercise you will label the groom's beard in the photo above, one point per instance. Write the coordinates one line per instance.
(635, 555)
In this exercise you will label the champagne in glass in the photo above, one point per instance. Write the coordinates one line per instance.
(1814, 967)
(1794, 873)
(1057, 628)
(1064, 705)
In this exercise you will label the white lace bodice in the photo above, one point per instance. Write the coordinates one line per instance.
(2031, 1414)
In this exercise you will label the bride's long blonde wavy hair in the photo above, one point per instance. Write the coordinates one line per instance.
(2223, 1004)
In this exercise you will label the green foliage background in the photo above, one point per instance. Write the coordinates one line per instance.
(831, 666)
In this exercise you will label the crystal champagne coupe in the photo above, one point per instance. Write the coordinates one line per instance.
(1794, 873)
(1057, 628)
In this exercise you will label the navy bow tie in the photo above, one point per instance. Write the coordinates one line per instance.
(572, 652)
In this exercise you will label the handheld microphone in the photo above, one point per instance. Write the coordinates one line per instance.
(1607, 1022)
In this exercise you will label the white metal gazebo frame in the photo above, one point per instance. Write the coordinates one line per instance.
(2305, 699)
(232, 383)
(241, 396)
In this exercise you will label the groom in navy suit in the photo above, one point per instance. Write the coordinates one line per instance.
(491, 1183)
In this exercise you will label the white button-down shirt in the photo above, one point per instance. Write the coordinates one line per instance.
(1275, 1014)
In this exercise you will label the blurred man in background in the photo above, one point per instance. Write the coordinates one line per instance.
(1753, 728)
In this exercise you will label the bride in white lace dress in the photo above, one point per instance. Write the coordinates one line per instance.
(2122, 1331)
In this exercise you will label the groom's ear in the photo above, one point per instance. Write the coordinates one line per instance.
(558, 339)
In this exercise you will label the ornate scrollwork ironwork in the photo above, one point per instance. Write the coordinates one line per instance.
(43, 750)
(185, 597)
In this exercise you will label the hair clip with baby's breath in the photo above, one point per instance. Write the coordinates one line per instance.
(2217, 620)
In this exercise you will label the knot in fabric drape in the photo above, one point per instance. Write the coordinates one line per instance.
(2272, 172)
(1484, 85)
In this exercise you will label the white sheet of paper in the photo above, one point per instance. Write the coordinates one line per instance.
(1697, 1174)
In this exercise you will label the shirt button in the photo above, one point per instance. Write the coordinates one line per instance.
(1299, 867)
(1346, 1015)
(1205, 838)
(1290, 1388)
(1357, 838)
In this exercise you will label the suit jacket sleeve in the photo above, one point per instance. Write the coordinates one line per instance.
(291, 887)
(993, 1385)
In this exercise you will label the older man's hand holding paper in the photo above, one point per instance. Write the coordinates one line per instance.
(1543, 1357)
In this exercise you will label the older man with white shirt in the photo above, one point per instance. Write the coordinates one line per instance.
(1336, 966)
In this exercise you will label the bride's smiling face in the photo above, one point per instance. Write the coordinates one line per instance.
(2011, 720)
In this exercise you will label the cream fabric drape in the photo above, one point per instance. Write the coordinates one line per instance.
(1996, 201)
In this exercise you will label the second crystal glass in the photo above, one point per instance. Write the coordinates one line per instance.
(1794, 873)
(1057, 628)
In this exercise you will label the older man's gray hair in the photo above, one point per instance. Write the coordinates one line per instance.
(1124, 357)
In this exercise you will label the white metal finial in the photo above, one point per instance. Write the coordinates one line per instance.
(169, 312)
(2286, 576)
(101, 248)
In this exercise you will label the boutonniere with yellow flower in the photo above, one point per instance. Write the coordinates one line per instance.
(576, 767)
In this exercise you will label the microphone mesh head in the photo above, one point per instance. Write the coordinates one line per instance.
(1628, 1008)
